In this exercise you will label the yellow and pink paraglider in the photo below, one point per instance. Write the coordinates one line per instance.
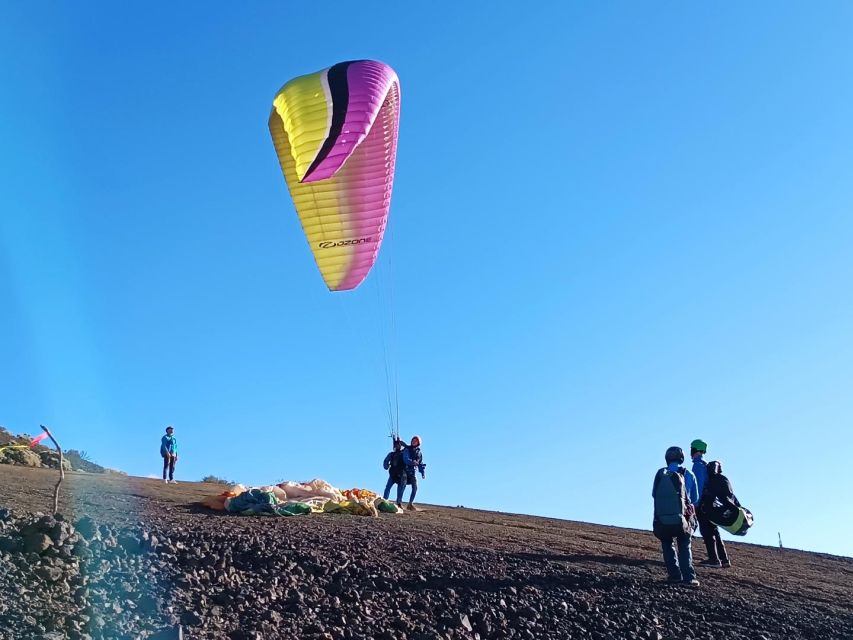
(335, 133)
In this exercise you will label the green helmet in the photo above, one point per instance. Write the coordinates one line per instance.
(699, 445)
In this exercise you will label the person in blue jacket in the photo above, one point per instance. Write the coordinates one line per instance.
(396, 469)
(709, 532)
(414, 463)
(679, 508)
(169, 452)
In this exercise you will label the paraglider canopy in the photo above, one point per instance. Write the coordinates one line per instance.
(335, 133)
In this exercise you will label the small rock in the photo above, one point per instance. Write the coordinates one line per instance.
(86, 527)
(191, 618)
(37, 543)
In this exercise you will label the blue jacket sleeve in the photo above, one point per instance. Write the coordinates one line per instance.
(690, 485)
(700, 470)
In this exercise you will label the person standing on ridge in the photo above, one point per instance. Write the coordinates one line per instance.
(709, 531)
(675, 494)
(395, 467)
(717, 499)
(169, 452)
(414, 463)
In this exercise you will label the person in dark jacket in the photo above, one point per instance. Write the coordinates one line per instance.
(395, 467)
(169, 452)
(414, 463)
(718, 500)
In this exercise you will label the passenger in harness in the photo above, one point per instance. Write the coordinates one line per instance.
(395, 467)
(675, 494)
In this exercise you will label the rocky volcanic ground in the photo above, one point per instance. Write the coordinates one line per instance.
(132, 558)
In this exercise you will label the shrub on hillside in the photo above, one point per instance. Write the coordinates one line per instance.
(23, 457)
(80, 461)
(216, 480)
(51, 459)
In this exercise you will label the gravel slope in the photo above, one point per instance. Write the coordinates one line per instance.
(143, 559)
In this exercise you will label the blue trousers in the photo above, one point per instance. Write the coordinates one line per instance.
(680, 568)
(398, 480)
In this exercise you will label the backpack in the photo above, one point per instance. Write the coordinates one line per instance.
(673, 512)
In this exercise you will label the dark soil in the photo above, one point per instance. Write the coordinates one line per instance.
(134, 558)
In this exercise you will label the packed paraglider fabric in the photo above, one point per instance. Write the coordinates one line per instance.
(735, 520)
(217, 502)
(298, 498)
(353, 507)
(251, 502)
(335, 134)
(315, 489)
(360, 494)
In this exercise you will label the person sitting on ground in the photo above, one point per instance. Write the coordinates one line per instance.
(719, 504)
(169, 452)
(414, 463)
(396, 468)
(709, 531)
(674, 493)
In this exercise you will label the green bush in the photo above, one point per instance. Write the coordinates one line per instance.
(23, 457)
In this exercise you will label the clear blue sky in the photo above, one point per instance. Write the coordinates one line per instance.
(615, 227)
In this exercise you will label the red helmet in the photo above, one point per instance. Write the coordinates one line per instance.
(416, 441)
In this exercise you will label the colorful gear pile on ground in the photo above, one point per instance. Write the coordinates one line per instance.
(299, 498)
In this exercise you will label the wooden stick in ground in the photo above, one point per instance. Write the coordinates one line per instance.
(61, 470)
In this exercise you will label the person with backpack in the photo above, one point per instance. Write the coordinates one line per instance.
(396, 469)
(708, 531)
(675, 493)
(414, 462)
(169, 452)
(719, 505)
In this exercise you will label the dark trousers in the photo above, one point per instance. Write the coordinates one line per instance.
(713, 542)
(407, 479)
(169, 466)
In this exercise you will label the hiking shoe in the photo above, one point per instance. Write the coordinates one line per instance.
(165, 481)
(673, 580)
(399, 505)
(713, 564)
(727, 564)
(691, 583)
(412, 507)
